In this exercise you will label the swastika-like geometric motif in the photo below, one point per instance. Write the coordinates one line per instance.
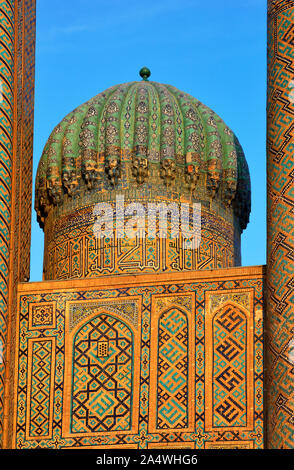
(147, 136)
(172, 385)
(39, 397)
(102, 383)
(116, 383)
(280, 223)
(229, 367)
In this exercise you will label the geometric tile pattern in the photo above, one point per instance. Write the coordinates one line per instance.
(118, 383)
(42, 315)
(230, 445)
(41, 368)
(231, 360)
(17, 65)
(6, 139)
(102, 376)
(73, 251)
(147, 137)
(280, 218)
(172, 383)
(100, 371)
(80, 310)
(229, 367)
(23, 160)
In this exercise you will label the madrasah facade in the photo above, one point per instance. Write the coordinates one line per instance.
(138, 341)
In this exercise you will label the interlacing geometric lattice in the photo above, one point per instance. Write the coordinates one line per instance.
(102, 383)
(146, 383)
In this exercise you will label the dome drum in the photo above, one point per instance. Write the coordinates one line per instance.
(73, 250)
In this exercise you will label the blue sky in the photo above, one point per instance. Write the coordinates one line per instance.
(215, 50)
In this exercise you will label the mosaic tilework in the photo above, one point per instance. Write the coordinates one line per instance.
(172, 364)
(229, 445)
(115, 381)
(100, 342)
(72, 250)
(102, 376)
(6, 139)
(41, 366)
(171, 371)
(143, 135)
(232, 375)
(23, 158)
(42, 316)
(16, 135)
(280, 288)
(228, 329)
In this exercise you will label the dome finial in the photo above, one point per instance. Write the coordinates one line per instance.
(145, 73)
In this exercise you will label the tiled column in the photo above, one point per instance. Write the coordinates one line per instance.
(280, 225)
(17, 65)
(6, 148)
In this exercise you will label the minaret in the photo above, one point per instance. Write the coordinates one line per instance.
(17, 66)
(280, 225)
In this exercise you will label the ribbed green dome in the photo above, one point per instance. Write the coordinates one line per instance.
(139, 125)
